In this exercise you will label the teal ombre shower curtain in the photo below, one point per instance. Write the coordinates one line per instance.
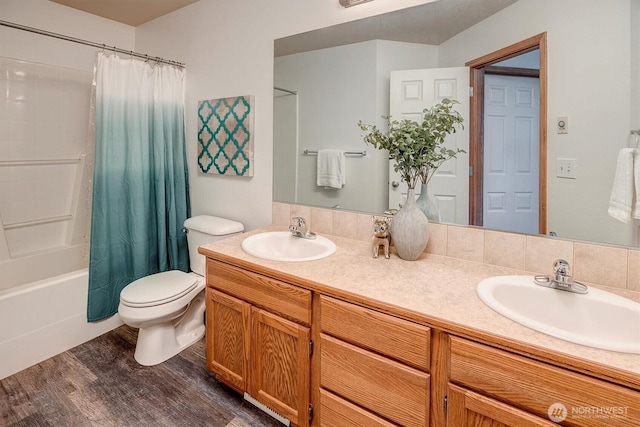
(140, 180)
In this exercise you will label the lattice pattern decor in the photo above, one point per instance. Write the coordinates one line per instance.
(225, 136)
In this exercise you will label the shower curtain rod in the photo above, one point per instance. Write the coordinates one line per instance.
(90, 43)
(292, 92)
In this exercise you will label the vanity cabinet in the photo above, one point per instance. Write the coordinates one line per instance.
(516, 391)
(373, 367)
(258, 338)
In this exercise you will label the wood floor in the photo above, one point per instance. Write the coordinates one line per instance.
(100, 384)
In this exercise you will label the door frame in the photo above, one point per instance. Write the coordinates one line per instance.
(478, 68)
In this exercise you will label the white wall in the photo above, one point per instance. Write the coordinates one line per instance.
(228, 48)
(54, 17)
(589, 78)
(324, 79)
(357, 76)
(635, 64)
(285, 145)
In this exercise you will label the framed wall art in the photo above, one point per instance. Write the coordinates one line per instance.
(225, 136)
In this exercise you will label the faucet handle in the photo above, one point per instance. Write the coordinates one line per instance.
(562, 271)
(562, 279)
(300, 221)
(562, 267)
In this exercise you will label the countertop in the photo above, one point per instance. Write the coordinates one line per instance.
(437, 290)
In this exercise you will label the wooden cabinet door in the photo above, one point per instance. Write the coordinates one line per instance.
(228, 338)
(468, 409)
(280, 368)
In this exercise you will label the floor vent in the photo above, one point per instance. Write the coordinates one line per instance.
(266, 409)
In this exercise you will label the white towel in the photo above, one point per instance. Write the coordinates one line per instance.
(331, 169)
(622, 193)
(636, 179)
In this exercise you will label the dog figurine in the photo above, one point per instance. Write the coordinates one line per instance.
(381, 235)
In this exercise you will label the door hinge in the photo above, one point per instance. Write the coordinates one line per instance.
(310, 412)
(446, 399)
(470, 170)
(470, 91)
(310, 347)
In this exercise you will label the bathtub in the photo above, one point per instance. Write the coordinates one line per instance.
(41, 319)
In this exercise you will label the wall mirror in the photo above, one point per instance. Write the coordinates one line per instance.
(326, 80)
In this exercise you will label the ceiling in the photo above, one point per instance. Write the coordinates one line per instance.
(431, 23)
(130, 12)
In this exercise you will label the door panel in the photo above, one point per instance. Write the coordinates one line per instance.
(511, 160)
(411, 92)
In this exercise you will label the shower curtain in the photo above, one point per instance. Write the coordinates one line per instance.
(140, 181)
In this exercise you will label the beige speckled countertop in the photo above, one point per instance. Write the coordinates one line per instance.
(435, 289)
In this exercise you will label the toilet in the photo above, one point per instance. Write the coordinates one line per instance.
(168, 307)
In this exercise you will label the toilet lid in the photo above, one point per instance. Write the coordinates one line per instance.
(158, 288)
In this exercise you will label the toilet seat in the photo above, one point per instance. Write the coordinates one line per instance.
(158, 289)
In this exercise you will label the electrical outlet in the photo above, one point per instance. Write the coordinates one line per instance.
(562, 123)
(566, 168)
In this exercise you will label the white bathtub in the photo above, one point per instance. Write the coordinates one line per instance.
(41, 319)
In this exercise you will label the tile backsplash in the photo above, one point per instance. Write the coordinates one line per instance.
(605, 265)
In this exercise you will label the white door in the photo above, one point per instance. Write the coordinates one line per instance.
(511, 154)
(411, 92)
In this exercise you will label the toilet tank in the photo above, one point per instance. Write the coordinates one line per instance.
(204, 229)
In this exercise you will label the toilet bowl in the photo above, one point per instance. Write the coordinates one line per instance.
(168, 307)
(170, 319)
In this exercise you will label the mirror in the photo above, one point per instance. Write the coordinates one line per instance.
(593, 62)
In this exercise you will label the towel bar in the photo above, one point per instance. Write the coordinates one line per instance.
(308, 152)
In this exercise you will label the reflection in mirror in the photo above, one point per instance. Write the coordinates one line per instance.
(593, 67)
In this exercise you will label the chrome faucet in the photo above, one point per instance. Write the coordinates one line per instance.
(561, 279)
(299, 228)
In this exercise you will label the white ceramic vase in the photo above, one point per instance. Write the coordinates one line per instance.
(410, 229)
(427, 206)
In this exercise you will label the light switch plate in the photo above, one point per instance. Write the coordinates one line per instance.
(566, 168)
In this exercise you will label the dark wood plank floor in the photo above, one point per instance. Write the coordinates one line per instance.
(100, 384)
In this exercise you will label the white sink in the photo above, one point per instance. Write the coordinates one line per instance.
(597, 319)
(283, 246)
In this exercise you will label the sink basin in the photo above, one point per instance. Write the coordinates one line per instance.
(597, 319)
(282, 246)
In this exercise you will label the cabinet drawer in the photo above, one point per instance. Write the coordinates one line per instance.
(399, 339)
(287, 300)
(337, 412)
(535, 386)
(385, 387)
(469, 408)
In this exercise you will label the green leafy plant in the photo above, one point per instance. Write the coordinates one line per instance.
(418, 148)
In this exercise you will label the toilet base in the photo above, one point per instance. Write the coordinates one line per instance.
(161, 341)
